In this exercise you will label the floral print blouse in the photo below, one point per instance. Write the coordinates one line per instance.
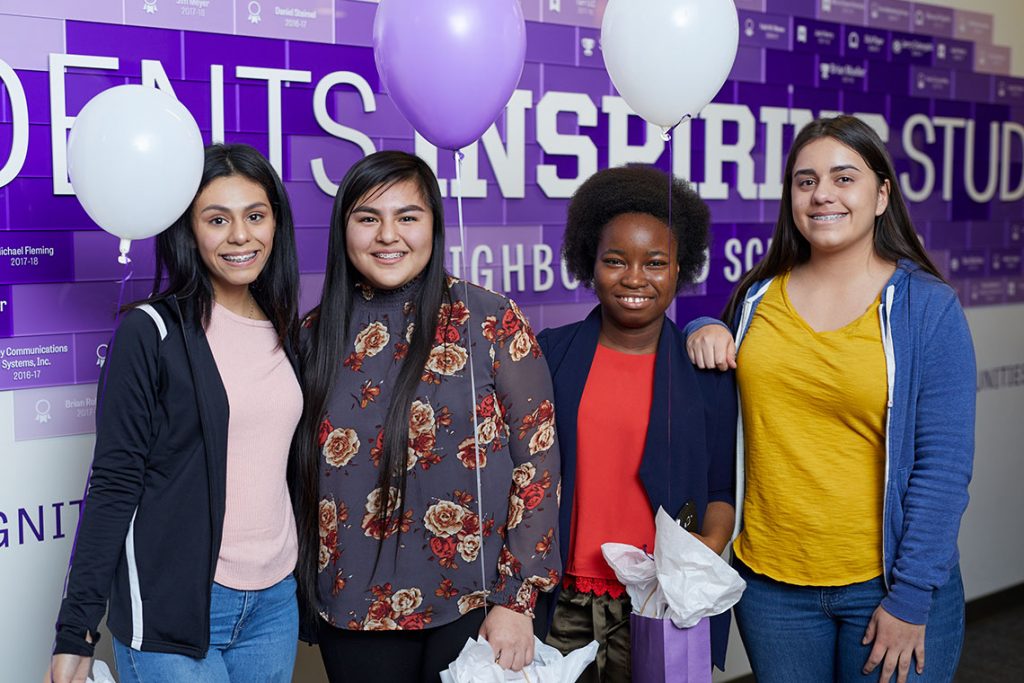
(435, 576)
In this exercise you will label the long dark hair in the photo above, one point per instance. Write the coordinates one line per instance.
(329, 326)
(894, 235)
(276, 289)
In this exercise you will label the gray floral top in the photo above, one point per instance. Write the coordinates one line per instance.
(435, 577)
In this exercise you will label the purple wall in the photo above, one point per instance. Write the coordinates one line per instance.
(928, 77)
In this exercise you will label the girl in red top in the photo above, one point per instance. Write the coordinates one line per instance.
(638, 427)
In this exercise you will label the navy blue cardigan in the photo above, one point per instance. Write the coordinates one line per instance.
(690, 452)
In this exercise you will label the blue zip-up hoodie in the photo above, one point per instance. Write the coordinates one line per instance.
(929, 432)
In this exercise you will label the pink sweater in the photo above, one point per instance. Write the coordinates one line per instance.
(259, 546)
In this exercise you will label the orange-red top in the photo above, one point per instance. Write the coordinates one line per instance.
(609, 501)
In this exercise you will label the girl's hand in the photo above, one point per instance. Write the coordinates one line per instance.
(511, 637)
(68, 669)
(896, 641)
(712, 346)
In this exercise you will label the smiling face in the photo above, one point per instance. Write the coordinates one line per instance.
(233, 224)
(389, 235)
(836, 198)
(636, 271)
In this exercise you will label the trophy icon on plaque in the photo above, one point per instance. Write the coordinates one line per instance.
(254, 12)
(149, 6)
(588, 45)
(101, 355)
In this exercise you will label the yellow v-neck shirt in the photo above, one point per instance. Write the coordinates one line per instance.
(814, 426)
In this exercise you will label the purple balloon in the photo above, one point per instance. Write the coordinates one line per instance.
(450, 66)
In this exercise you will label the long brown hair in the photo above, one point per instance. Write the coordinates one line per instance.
(894, 236)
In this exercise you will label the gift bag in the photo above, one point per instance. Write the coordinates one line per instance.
(664, 653)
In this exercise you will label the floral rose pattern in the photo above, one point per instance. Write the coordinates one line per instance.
(440, 530)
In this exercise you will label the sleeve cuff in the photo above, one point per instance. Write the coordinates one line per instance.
(695, 325)
(908, 603)
(72, 641)
(518, 596)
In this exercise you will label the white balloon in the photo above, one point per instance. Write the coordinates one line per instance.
(135, 157)
(669, 58)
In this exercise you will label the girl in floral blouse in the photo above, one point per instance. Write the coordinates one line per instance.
(416, 525)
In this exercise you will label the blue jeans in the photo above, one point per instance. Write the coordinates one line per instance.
(253, 637)
(810, 634)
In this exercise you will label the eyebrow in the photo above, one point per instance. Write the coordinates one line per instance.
(652, 252)
(834, 169)
(224, 209)
(377, 212)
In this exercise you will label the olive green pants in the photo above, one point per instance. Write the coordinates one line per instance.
(582, 617)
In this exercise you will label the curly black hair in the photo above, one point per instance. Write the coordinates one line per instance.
(634, 189)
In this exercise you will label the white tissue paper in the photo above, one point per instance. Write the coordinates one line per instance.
(100, 673)
(690, 581)
(475, 664)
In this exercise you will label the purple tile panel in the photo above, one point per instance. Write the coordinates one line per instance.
(796, 8)
(932, 20)
(954, 54)
(968, 263)
(987, 292)
(817, 99)
(80, 86)
(890, 14)
(130, 44)
(353, 22)
(930, 82)
(790, 67)
(111, 11)
(866, 42)
(311, 245)
(817, 36)
(309, 20)
(907, 48)
(536, 207)
(971, 86)
(36, 85)
(593, 82)
(587, 13)
(35, 257)
(489, 210)
(33, 206)
(749, 65)
(987, 235)
(889, 78)
(844, 11)
(197, 98)
(6, 311)
(1009, 91)
(54, 411)
(216, 16)
(1005, 262)
(204, 49)
(36, 361)
(38, 163)
(96, 255)
(531, 9)
(337, 155)
(973, 26)
(28, 41)
(764, 30)
(90, 355)
(54, 308)
(310, 206)
(846, 74)
(551, 43)
(751, 5)
(992, 59)
(321, 60)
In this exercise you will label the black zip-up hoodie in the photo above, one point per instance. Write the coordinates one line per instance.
(151, 526)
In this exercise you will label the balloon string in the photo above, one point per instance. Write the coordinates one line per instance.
(126, 275)
(472, 373)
